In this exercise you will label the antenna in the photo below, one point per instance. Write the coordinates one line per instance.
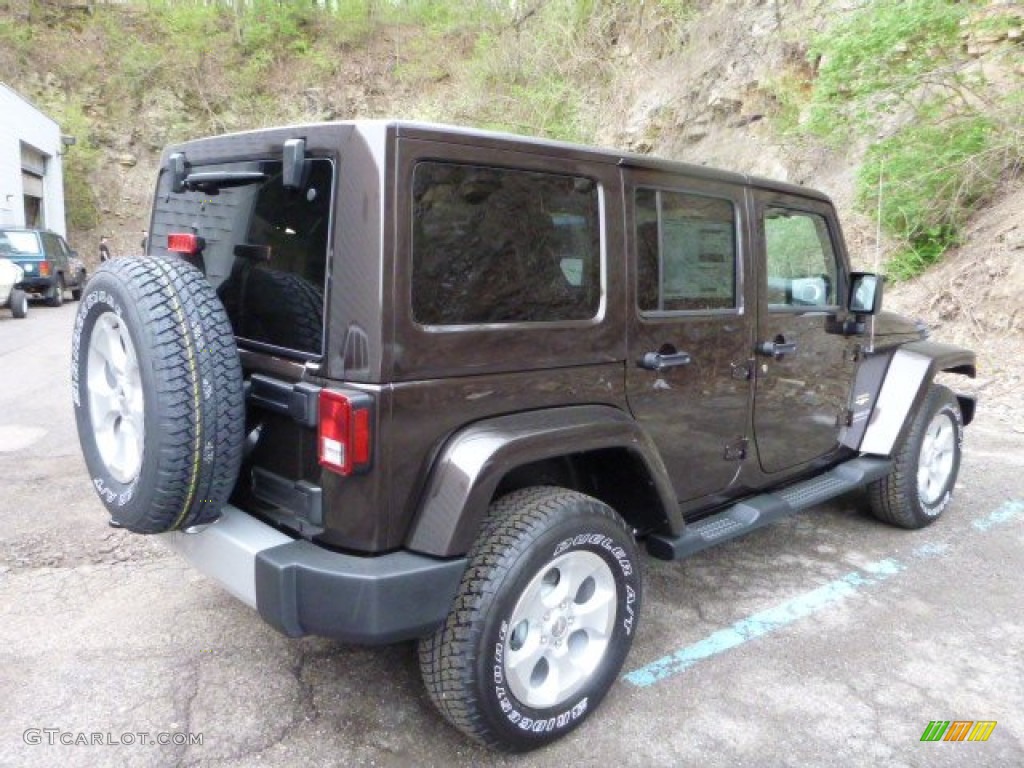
(878, 216)
(878, 246)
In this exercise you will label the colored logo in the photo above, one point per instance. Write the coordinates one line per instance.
(958, 730)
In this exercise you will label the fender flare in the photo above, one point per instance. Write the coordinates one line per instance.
(471, 464)
(890, 387)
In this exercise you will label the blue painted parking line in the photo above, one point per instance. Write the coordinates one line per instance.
(1004, 514)
(801, 606)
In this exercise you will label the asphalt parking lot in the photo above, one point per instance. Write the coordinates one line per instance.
(826, 639)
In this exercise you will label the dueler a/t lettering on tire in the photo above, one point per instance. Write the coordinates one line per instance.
(921, 483)
(157, 393)
(543, 620)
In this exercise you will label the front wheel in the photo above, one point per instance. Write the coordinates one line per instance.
(920, 486)
(542, 623)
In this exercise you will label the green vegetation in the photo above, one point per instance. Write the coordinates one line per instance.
(891, 75)
(896, 68)
(80, 162)
(875, 60)
(537, 68)
(931, 175)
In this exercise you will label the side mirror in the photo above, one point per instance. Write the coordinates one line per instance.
(295, 167)
(865, 293)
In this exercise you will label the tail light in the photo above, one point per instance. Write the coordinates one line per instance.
(185, 243)
(44, 268)
(345, 439)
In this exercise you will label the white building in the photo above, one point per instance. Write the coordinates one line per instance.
(31, 176)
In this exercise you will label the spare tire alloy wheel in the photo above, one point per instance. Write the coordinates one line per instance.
(542, 623)
(157, 393)
(114, 389)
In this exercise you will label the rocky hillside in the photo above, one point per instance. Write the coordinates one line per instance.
(922, 102)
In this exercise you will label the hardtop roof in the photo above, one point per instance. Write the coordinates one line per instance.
(495, 139)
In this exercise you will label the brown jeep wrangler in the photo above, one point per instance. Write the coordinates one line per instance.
(390, 381)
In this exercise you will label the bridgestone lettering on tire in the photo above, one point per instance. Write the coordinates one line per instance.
(542, 622)
(920, 486)
(157, 393)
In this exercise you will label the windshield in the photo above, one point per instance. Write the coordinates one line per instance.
(17, 243)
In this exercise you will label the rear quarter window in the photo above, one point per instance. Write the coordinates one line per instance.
(499, 245)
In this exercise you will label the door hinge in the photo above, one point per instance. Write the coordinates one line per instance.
(736, 450)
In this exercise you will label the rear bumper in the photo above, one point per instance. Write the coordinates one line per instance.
(36, 285)
(303, 589)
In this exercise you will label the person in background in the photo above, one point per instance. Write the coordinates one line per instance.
(104, 249)
(145, 240)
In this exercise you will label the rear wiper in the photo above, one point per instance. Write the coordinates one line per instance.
(213, 181)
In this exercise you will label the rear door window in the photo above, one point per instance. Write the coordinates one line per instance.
(686, 252)
(265, 250)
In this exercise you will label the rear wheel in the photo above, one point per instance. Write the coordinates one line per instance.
(920, 486)
(56, 297)
(76, 292)
(19, 302)
(542, 622)
(157, 390)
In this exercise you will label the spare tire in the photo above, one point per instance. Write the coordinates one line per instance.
(157, 392)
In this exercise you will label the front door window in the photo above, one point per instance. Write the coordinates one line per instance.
(803, 372)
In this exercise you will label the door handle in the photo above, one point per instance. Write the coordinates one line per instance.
(656, 361)
(776, 349)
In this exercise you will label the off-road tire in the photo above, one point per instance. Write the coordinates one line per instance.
(898, 498)
(274, 307)
(56, 297)
(528, 535)
(19, 303)
(191, 383)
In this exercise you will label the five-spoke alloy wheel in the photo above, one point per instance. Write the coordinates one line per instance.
(116, 402)
(542, 622)
(921, 483)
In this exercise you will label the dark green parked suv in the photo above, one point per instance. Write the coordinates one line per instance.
(51, 267)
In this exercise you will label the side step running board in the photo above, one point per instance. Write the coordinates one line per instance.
(758, 511)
